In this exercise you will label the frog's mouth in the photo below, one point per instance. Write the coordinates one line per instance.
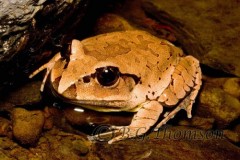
(103, 106)
(98, 105)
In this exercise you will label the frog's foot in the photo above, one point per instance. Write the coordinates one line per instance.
(118, 133)
(185, 104)
(145, 118)
(47, 66)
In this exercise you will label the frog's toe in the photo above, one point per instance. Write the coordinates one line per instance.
(128, 132)
(104, 137)
(116, 127)
(118, 138)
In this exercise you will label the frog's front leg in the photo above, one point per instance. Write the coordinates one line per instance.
(145, 118)
(49, 65)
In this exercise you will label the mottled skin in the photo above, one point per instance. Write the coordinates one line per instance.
(154, 74)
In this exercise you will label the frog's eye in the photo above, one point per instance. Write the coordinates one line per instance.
(107, 76)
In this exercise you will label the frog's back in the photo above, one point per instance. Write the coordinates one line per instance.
(133, 51)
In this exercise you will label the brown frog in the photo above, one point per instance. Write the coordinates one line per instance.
(131, 71)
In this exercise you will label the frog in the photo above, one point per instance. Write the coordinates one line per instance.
(126, 71)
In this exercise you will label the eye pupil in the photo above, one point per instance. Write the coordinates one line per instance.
(107, 76)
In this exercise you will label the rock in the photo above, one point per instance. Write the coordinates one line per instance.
(110, 23)
(16, 17)
(53, 144)
(64, 145)
(198, 122)
(171, 143)
(237, 129)
(5, 108)
(25, 95)
(232, 86)
(49, 123)
(229, 85)
(27, 125)
(232, 136)
(30, 30)
(5, 127)
(209, 30)
(218, 102)
(132, 16)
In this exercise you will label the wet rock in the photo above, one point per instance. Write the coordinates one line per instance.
(53, 144)
(112, 22)
(133, 12)
(5, 127)
(232, 136)
(217, 100)
(132, 16)
(64, 145)
(25, 95)
(171, 143)
(207, 29)
(237, 128)
(198, 122)
(232, 86)
(15, 18)
(49, 123)
(27, 125)
(28, 28)
(6, 106)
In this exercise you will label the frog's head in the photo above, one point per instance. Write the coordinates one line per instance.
(96, 84)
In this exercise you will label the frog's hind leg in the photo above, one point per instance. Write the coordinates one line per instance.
(145, 118)
(185, 104)
(186, 78)
(47, 66)
(194, 70)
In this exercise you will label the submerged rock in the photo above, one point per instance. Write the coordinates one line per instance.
(5, 127)
(27, 125)
(53, 144)
(169, 143)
